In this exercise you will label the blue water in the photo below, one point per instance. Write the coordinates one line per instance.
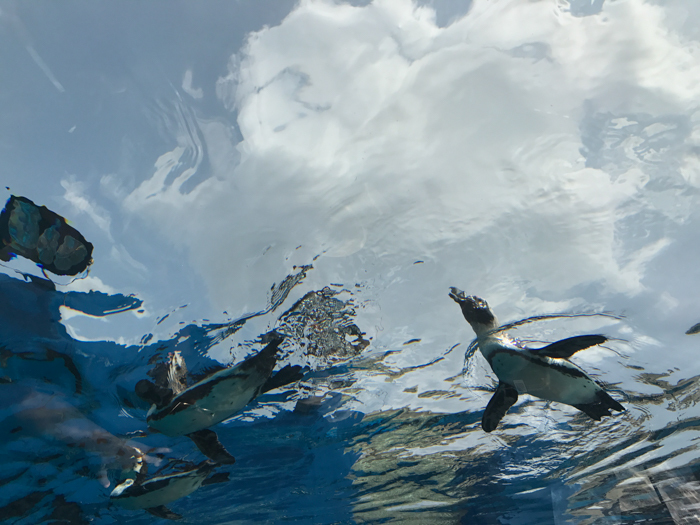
(68, 407)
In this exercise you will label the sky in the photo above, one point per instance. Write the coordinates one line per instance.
(543, 155)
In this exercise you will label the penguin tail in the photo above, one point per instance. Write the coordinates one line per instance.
(264, 361)
(600, 407)
(273, 337)
(161, 511)
(219, 477)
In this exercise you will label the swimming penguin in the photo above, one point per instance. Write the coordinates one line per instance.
(541, 372)
(192, 410)
(42, 236)
(695, 329)
(153, 494)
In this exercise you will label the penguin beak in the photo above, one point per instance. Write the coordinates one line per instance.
(474, 309)
(456, 294)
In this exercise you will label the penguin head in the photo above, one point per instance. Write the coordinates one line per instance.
(177, 372)
(136, 467)
(152, 393)
(119, 489)
(475, 310)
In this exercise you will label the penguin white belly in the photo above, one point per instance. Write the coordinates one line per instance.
(172, 489)
(546, 378)
(185, 414)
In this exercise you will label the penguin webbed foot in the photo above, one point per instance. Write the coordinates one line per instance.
(504, 398)
(600, 407)
(208, 443)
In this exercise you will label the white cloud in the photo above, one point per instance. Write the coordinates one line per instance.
(371, 131)
(76, 195)
(88, 284)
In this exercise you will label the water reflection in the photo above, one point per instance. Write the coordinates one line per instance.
(544, 463)
(154, 493)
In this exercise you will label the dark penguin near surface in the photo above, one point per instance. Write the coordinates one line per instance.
(178, 410)
(695, 329)
(42, 236)
(153, 494)
(544, 372)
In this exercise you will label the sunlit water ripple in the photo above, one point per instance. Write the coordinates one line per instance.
(418, 463)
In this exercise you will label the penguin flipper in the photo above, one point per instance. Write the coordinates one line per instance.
(600, 407)
(208, 443)
(504, 398)
(164, 512)
(567, 347)
(288, 374)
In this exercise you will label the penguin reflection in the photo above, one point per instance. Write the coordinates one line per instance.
(155, 493)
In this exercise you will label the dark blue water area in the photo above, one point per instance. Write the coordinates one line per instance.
(287, 470)
(70, 421)
(69, 411)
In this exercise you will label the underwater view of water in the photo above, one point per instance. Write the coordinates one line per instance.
(268, 202)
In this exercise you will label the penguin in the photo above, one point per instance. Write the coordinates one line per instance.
(543, 372)
(153, 494)
(179, 411)
(42, 236)
(695, 329)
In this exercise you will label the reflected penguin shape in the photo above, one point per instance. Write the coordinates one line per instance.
(544, 372)
(154, 494)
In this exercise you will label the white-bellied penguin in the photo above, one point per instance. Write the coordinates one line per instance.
(178, 410)
(543, 372)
